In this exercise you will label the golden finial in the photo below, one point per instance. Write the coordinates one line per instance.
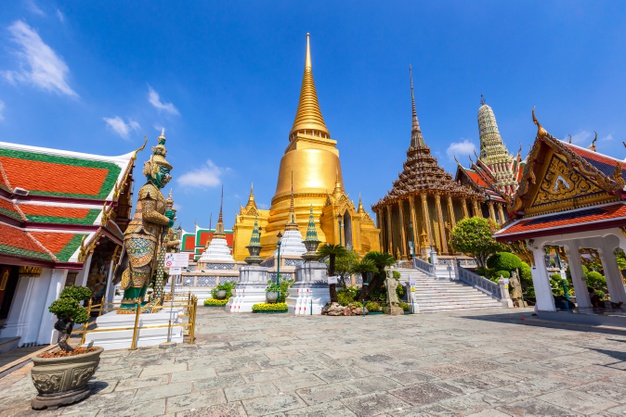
(219, 227)
(307, 60)
(482, 100)
(540, 130)
(417, 140)
(593, 142)
(570, 138)
(291, 220)
(141, 148)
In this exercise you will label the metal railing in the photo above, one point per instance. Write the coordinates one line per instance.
(424, 266)
(188, 303)
(478, 282)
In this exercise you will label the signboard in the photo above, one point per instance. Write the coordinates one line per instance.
(176, 271)
(412, 283)
(332, 280)
(176, 260)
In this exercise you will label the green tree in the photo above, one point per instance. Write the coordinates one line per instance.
(504, 261)
(344, 264)
(331, 252)
(364, 267)
(380, 260)
(473, 237)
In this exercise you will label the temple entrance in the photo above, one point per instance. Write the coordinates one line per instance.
(8, 284)
(347, 230)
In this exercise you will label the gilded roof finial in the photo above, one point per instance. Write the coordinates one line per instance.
(360, 209)
(417, 140)
(309, 118)
(219, 227)
(593, 142)
(482, 100)
(570, 138)
(540, 130)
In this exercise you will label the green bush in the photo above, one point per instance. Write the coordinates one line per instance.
(504, 261)
(481, 270)
(404, 306)
(400, 290)
(270, 307)
(347, 295)
(68, 307)
(503, 274)
(596, 280)
(372, 306)
(227, 286)
(215, 302)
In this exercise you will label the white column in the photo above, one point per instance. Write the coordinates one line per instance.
(47, 334)
(81, 278)
(578, 277)
(110, 288)
(541, 282)
(613, 276)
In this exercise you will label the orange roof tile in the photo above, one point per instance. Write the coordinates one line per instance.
(16, 242)
(63, 245)
(9, 209)
(59, 214)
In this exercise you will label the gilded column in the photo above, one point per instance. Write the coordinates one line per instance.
(389, 232)
(477, 211)
(402, 232)
(442, 229)
(451, 212)
(465, 210)
(501, 213)
(492, 212)
(426, 219)
(415, 237)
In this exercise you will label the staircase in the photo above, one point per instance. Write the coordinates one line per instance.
(434, 295)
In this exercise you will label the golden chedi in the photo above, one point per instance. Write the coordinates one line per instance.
(311, 163)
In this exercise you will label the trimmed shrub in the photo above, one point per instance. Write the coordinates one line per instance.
(504, 261)
(404, 306)
(503, 273)
(215, 302)
(270, 307)
(372, 306)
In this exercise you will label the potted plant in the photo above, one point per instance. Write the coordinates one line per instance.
(61, 375)
(272, 292)
(223, 291)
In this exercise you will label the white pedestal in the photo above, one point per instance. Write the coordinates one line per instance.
(122, 339)
(309, 293)
(250, 289)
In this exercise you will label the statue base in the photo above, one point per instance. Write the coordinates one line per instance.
(111, 337)
(394, 310)
(250, 289)
(309, 293)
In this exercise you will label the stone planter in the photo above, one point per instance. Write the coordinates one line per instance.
(220, 294)
(61, 381)
(271, 297)
(271, 311)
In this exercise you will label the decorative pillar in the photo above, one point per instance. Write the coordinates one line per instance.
(613, 276)
(47, 332)
(477, 211)
(501, 213)
(426, 219)
(451, 212)
(402, 232)
(389, 231)
(541, 282)
(415, 236)
(442, 229)
(492, 212)
(465, 210)
(576, 272)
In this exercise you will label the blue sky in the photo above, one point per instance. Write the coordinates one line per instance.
(224, 81)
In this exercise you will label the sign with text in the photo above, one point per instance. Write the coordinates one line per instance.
(176, 271)
(332, 280)
(176, 260)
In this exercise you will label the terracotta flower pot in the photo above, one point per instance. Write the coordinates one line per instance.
(63, 380)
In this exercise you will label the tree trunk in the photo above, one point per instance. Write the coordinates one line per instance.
(332, 288)
(377, 282)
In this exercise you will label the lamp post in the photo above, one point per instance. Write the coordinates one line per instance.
(280, 237)
(339, 220)
(412, 239)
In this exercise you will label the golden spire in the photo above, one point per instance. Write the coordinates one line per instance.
(417, 140)
(251, 201)
(219, 227)
(291, 221)
(361, 209)
(309, 116)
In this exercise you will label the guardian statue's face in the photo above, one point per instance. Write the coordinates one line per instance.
(162, 177)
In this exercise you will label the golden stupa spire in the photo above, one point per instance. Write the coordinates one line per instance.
(417, 140)
(360, 209)
(309, 118)
(251, 201)
(291, 221)
(219, 227)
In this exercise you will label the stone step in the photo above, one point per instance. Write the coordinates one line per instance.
(428, 310)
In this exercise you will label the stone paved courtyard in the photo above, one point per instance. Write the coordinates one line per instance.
(483, 363)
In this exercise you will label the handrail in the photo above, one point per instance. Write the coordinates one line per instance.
(424, 266)
(478, 282)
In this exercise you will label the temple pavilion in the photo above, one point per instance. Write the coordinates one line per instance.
(424, 204)
(495, 174)
(572, 198)
(62, 218)
(311, 167)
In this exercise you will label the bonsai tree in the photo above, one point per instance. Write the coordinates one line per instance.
(473, 237)
(331, 252)
(69, 310)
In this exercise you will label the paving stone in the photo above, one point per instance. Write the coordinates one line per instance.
(163, 391)
(411, 377)
(136, 409)
(170, 368)
(374, 404)
(245, 392)
(193, 375)
(340, 374)
(220, 410)
(142, 383)
(333, 408)
(198, 399)
(266, 375)
(422, 394)
(608, 390)
(370, 385)
(218, 382)
(445, 371)
(535, 407)
(324, 393)
(272, 404)
(580, 402)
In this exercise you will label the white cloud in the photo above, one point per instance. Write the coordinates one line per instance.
(581, 138)
(1, 110)
(120, 127)
(60, 16)
(155, 100)
(607, 138)
(31, 6)
(461, 149)
(207, 176)
(263, 206)
(40, 65)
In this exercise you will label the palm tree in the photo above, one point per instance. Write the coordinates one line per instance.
(381, 261)
(364, 267)
(331, 252)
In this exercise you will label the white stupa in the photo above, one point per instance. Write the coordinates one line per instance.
(217, 250)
